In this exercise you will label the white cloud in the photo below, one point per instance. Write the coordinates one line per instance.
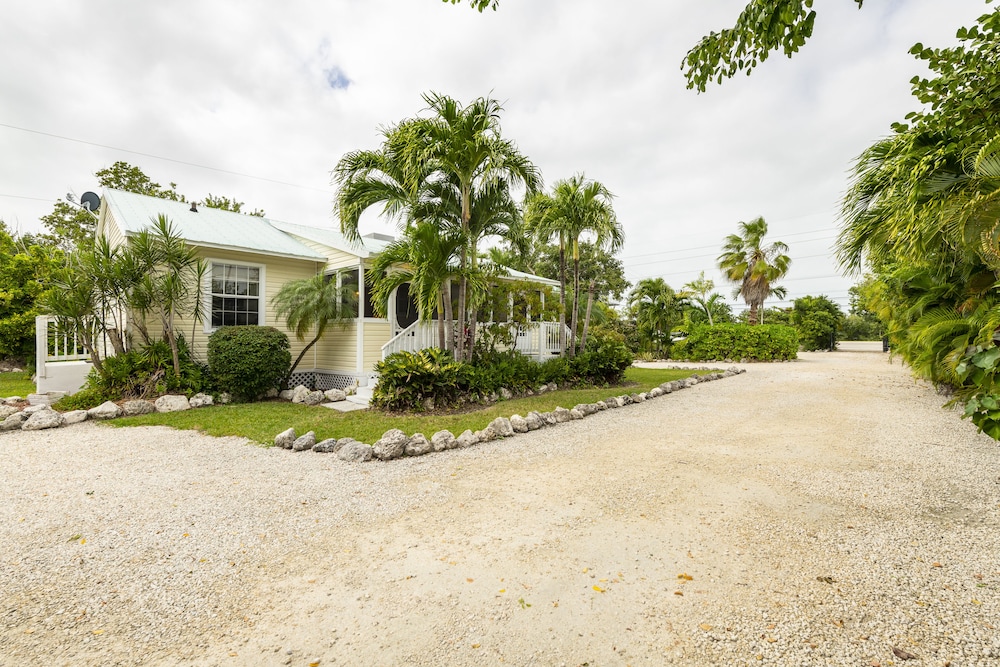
(591, 86)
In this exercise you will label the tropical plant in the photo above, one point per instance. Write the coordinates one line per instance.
(700, 293)
(313, 304)
(168, 284)
(657, 309)
(818, 321)
(429, 167)
(753, 266)
(575, 207)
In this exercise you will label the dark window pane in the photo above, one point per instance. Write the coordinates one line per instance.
(229, 319)
(253, 291)
(217, 285)
(241, 318)
(252, 318)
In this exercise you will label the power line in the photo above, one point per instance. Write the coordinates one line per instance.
(684, 259)
(31, 198)
(716, 246)
(160, 157)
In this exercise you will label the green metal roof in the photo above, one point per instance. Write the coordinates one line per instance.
(208, 227)
(331, 238)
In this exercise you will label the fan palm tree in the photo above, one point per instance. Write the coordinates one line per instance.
(313, 304)
(753, 266)
(575, 207)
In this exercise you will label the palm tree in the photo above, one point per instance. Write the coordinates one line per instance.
(312, 304)
(656, 309)
(463, 145)
(170, 269)
(458, 146)
(576, 206)
(700, 292)
(753, 266)
(426, 259)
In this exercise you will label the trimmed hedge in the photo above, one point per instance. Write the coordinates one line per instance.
(762, 342)
(248, 361)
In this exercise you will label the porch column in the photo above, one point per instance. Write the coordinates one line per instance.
(360, 353)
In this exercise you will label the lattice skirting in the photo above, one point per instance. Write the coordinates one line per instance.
(324, 380)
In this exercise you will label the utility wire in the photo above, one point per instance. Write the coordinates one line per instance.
(160, 157)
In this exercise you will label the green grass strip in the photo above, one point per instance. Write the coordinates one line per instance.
(16, 384)
(262, 421)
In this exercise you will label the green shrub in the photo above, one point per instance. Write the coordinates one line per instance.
(17, 337)
(602, 362)
(407, 379)
(762, 342)
(817, 320)
(86, 398)
(248, 361)
(144, 373)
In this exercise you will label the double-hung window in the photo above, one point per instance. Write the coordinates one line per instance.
(235, 294)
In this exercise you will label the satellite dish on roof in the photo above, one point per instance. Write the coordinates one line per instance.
(90, 201)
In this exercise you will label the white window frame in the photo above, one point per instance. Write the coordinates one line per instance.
(207, 291)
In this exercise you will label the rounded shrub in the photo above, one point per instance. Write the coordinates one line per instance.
(248, 361)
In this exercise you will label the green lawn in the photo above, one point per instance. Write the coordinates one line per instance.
(262, 421)
(16, 384)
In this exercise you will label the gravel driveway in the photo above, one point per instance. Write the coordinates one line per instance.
(820, 512)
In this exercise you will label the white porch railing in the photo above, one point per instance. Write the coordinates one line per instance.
(61, 361)
(538, 340)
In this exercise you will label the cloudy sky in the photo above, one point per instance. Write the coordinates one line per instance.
(258, 100)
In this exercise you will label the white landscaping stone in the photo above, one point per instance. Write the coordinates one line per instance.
(304, 442)
(299, 394)
(335, 395)
(43, 419)
(74, 417)
(200, 400)
(132, 408)
(443, 440)
(106, 410)
(285, 439)
(172, 403)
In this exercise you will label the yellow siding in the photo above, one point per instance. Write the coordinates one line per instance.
(112, 232)
(377, 334)
(337, 351)
(277, 271)
(336, 259)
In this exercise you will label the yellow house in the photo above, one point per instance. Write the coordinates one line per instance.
(249, 259)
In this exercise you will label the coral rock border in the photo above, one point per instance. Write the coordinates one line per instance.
(395, 444)
(40, 415)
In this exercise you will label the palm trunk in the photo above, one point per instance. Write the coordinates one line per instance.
(462, 286)
(473, 315)
(586, 319)
(449, 321)
(562, 295)
(440, 322)
(576, 298)
(302, 354)
(752, 319)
